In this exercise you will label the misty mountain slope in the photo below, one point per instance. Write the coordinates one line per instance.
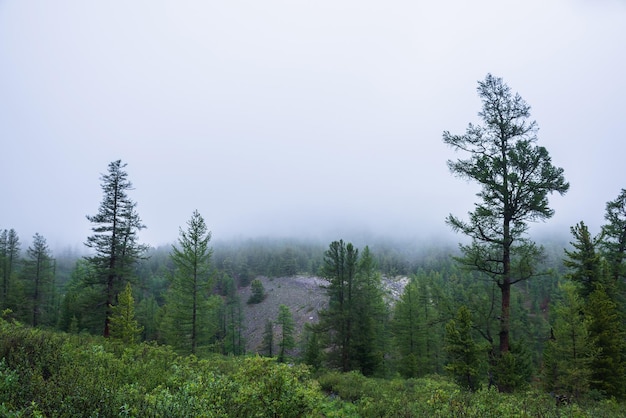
(305, 298)
(301, 294)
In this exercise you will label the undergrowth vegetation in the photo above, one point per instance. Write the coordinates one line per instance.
(50, 374)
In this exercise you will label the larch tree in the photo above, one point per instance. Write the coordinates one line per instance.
(614, 236)
(408, 328)
(287, 341)
(114, 239)
(39, 275)
(124, 325)
(608, 334)
(191, 309)
(9, 257)
(338, 320)
(569, 352)
(583, 261)
(414, 329)
(371, 315)
(462, 351)
(515, 177)
(594, 276)
(267, 344)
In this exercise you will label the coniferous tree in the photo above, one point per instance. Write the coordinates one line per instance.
(312, 348)
(190, 320)
(570, 350)
(417, 333)
(285, 321)
(267, 345)
(233, 339)
(115, 240)
(408, 329)
(607, 331)
(77, 306)
(594, 274)
(148, 311)
(583, 261)
(39, 274)
(463, 352)
(516, 177)
(371, 315)
(338, 320)
(614, 236)
(9, 257)
(258, 292)
(124, 326)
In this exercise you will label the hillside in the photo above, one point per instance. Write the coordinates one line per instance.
(303, 295)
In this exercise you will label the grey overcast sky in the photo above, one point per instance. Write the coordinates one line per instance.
(295, 117)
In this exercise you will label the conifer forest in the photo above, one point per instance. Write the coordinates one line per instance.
(497, 324)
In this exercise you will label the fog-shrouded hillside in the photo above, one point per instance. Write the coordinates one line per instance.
(304, 295)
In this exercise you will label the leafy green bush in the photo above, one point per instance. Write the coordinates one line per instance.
(44, 374)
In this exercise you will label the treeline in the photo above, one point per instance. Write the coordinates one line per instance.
(503, 312)
(567, 324)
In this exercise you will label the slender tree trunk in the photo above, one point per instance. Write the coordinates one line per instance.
(505, 288)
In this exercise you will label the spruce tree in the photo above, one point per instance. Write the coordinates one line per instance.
(114, 239)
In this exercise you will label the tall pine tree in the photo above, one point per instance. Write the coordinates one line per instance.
(516, 176)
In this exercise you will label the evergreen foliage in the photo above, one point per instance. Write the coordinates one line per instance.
(463, 352)
(607, 331)
(38, 272)
(515, 177)
(287, 341)
(190, 314)
(124, 326)
(614, 236)
(356, 309)
(570, 350)
(258, 292)
(583, 261)
(267, 345)
(9, 257)
(114, 239)
(337, 321)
